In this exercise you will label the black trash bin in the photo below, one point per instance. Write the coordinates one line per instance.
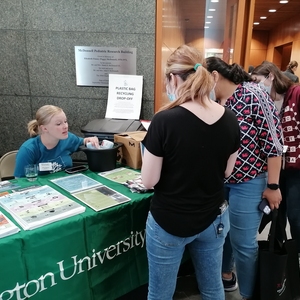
(101, 160)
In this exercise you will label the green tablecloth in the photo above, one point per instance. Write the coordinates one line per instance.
(93, 255)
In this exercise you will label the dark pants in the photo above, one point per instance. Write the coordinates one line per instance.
(289, 208)
(290, 205)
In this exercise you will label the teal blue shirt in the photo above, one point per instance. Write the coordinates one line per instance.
(33, 151)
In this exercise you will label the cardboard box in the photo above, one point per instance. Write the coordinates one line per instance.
(130, 153)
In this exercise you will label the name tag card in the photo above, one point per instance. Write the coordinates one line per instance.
(45, 167)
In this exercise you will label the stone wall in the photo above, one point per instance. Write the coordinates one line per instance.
(37, 58)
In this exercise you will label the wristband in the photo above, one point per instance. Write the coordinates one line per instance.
(273, 186)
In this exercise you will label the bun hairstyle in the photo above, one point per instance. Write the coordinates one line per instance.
(234, 73)
(187, 62)
(42, 117)
(291, 65)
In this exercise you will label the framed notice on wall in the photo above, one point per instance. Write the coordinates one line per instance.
(94, 64)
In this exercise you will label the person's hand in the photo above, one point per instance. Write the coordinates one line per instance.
(273, 196)
(93, 140)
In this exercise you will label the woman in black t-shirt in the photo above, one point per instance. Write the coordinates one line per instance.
(190, 146)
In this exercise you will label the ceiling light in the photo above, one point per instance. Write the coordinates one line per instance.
(256, 23)
(272, 10)
(214, 0)
(263, 18)
(206, 27)
(212, 9)
(207, 22)
(209, 17)
(284, 1)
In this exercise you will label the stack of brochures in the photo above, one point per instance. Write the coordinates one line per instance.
(39, 206)
(130, 178)
(91, 192)
(7, 227)
(136, 186)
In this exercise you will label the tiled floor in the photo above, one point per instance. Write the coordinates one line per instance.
(186, 290)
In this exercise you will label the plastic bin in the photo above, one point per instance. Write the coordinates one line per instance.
(101, 160)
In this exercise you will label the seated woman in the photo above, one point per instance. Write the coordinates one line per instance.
(50, 145)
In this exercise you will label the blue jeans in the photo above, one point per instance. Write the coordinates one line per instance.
(290, 205)
(241, 242)
(165, 252)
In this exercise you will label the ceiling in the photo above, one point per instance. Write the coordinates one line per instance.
(195, 12)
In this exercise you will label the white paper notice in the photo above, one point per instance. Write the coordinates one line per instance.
(124, 96)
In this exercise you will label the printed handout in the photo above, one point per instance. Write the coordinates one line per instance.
(8, 185)
(75, 183)
(120, 175)
(7, 227)
(101, 197)
(39, 206)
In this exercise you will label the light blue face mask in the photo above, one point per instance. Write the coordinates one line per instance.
(265, 87)
(172, 97)
(268, 89)
(212, 95)
(170, 92)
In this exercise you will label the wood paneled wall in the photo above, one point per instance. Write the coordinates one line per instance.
(265, 45)
(170, 33)
(258, 48)
(250, 47)
(288, 32)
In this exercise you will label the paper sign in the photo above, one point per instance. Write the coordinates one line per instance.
(124, 96)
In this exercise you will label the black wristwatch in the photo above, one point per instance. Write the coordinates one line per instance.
(273, 186)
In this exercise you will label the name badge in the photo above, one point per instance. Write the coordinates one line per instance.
(45, 166)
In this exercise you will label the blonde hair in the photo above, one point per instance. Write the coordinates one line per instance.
(42, 117)
(187, 62)
(292, 64)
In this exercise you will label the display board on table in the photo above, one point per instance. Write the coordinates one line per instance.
(35, 207)
(91, 192)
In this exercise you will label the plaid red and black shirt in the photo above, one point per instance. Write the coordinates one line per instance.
(261, 132)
